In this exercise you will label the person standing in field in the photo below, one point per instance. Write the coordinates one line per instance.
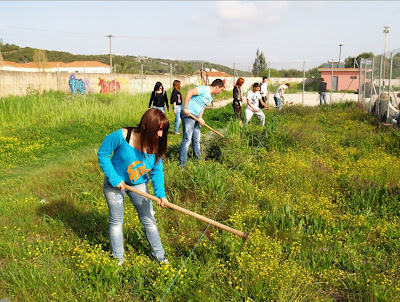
(322, 91)
(237, 98)
(253, 97)
(176, 101)
(278, 96)
(264, 91)
(196, 100)
(159, 97)
(136, 157)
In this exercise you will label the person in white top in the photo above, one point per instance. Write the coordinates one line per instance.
(253, 97)
(278, 96)
(264, 91)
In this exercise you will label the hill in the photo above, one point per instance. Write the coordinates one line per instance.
(123, 64)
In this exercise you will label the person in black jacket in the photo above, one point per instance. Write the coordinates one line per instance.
(322, 91)
(237, 98)
(176, 101)
(159, 97)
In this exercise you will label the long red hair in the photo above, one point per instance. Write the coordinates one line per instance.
(239, 82)
(152, 121)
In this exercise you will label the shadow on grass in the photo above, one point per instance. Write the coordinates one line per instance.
(84, 223)
(92, 226)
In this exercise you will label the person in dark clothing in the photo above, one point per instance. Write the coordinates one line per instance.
(159, 97)
(237, 98)
(176, 101)
(322, 91)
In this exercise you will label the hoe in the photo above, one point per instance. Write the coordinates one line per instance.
(244, 236)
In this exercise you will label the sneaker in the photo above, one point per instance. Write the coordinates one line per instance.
(177, 133)
(164, 262)
(120, 263)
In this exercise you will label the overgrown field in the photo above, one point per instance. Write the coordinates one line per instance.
(317, 188)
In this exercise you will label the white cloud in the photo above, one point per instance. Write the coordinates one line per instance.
(237, 15)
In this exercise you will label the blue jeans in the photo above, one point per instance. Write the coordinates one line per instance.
(278, 102)
(160, 108)
(191, 134)
(322, 97)
(144, 207)
(177, 118)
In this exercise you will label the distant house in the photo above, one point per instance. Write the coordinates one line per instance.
(73, 67)
(343, 78)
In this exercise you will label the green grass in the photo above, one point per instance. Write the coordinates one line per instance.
(320, 198)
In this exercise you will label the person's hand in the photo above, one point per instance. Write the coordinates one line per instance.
(121, 185)
(201, 121)
(161, 203)
(186, 111)
(267, 108)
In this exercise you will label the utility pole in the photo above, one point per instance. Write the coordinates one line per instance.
(340, 52)
(385, 31)
(110, 36)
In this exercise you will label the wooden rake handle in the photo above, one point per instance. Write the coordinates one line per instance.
(195, 118)
(244, 236)
(291, 103)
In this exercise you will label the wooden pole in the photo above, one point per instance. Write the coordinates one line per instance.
(190, 213)
(195, 118)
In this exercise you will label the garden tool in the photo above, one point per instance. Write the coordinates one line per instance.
(195, 118)
(291, 103)
(244, 236)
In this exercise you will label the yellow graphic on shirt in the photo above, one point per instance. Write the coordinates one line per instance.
(137, 169)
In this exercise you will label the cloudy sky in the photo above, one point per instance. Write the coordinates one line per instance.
(222, 32)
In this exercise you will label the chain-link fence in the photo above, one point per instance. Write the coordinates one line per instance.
(380, 85)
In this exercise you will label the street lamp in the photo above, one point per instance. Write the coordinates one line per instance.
(340, 51)
(385, 31)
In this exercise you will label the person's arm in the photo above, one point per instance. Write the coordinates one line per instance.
(393, 108)
(166, 100)
(282, 92)
(151, 99)
(157, 178)
(174, 98)
(263, 103)
(107, 147)
(188, 96)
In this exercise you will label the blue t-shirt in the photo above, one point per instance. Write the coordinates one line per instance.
(198, 102)
(129, 164)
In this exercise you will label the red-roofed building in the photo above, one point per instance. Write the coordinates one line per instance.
(73, 67)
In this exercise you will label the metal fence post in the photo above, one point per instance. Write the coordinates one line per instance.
(365, 81)
(269, 80)
(142, 83)
(304, 81)
(330, 99)
(372, 84)
(170, 77)
(84, 75)
(390, 79)
(359, 80)
(379, 88)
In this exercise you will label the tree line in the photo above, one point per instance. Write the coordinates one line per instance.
(123, 64)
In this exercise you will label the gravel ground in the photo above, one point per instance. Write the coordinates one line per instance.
(310, 99)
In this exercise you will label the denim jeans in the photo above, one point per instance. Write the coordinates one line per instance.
(160, 108)
(144, 207)
(322, 97)
(191, 134)
(177, 118)
(278, 102)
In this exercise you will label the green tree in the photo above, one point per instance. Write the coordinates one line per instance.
(259, 63)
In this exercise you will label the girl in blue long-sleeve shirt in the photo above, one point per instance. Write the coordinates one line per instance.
(136, 157)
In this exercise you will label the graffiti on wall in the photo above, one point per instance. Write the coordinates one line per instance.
(77, 85)
(109, 86)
